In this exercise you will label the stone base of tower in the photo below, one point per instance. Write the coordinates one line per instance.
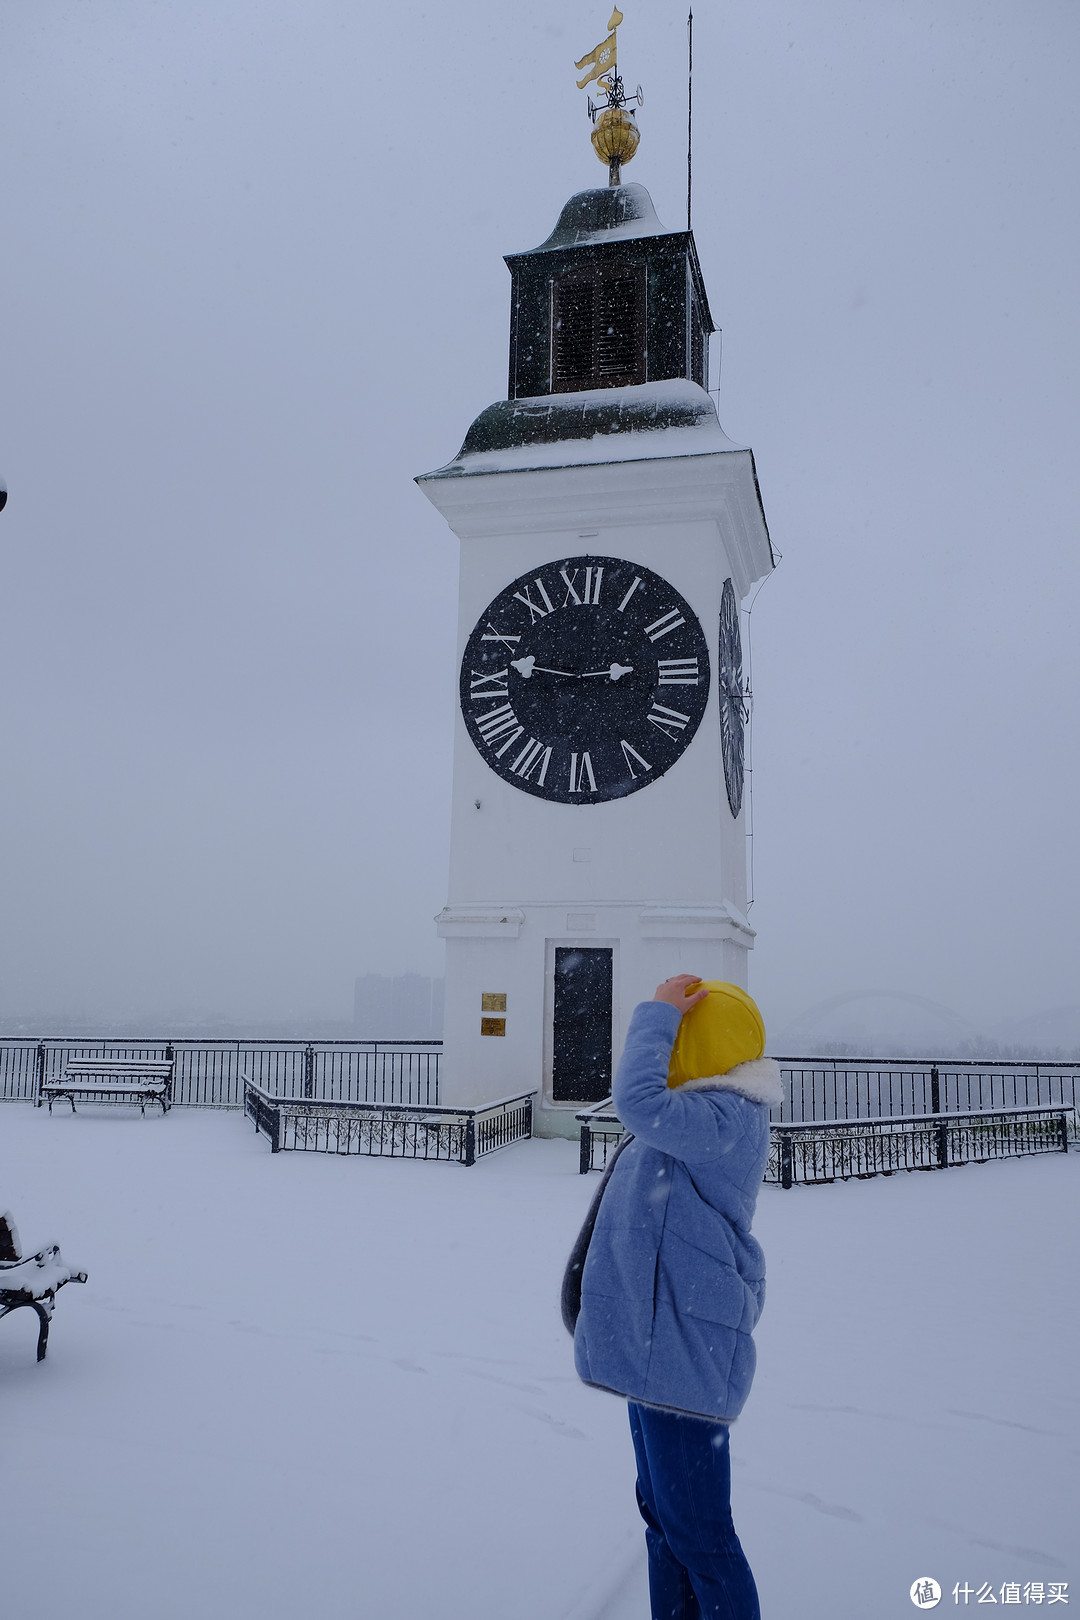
(538, 997)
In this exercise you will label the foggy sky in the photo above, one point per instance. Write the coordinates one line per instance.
(252, 283)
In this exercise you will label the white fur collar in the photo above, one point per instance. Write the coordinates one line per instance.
(758, 1080)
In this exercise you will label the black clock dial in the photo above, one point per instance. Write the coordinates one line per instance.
(733, 714)
(585, 680)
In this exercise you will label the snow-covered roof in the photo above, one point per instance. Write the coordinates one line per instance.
(605, 214)
(671, 418)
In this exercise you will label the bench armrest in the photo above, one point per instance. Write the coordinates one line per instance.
(39, 1275)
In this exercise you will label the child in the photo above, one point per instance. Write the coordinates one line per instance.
(673, 1283)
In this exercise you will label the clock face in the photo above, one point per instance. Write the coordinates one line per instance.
(585, 680)
(729, 677)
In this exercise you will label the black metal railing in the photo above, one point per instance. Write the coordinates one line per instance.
(210, 1074)
(388, 1130)
(836, 1150)
(601, 1128)
(821, 1092)
(862, 1088)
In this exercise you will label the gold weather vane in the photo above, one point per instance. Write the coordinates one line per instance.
(615, 135)
(604, 57)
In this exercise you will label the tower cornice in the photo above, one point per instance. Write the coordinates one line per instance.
(718, 488)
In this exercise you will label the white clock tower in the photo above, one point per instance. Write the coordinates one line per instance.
(609, 530)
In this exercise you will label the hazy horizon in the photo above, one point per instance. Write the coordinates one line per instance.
(253, 284)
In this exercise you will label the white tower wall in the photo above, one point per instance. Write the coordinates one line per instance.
(659, 876)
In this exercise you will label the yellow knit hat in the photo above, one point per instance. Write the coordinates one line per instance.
(721, 1031)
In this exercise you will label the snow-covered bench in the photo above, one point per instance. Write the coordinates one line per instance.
(140, 1080)
(32, 1282)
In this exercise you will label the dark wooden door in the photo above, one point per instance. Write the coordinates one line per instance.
(581, 1037)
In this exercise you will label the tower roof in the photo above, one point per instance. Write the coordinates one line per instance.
(673, 418)
(605, 214)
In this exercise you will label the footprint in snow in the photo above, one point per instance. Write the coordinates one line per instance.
(833, 1510)
(560, 1427)
(507, 1383)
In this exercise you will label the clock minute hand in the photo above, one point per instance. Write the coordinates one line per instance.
(528, 666)
(613, 673)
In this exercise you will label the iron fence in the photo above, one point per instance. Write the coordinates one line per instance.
(820, 1089)
(388, 1130)
(601, 1128)
(860, 1088)
(210, 1074)
(836, 1150)
(888, 1097)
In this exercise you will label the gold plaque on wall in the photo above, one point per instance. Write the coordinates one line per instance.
(493, 1026)
(491, 1002)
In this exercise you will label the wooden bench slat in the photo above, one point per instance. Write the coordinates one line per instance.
(117, 1066)
(114, 1074)
(149, 1087)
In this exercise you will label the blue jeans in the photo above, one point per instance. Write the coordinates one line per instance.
(697, 1569)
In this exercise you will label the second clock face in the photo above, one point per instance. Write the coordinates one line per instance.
(585, 680)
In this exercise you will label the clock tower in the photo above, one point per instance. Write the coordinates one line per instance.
(609, 531)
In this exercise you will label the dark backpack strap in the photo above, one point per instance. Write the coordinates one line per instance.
(571, 1283)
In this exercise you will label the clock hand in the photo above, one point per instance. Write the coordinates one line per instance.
(616, 672)
(528, 666)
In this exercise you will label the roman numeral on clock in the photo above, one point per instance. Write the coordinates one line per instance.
(630, 754)
(678, 671)
(536, 612)
(661, 627)
(507, 641)
(590, 591)
(490, 686)
(582, 779)
(534, 754)
(670, 721)
(497, 724)
(623, 604)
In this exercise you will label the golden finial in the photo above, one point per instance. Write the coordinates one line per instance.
(616, 135)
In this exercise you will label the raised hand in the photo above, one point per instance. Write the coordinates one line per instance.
(677, 991)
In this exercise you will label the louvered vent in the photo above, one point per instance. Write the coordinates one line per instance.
(574, 332)
(616, 328)
(698, 350)
(598, 320)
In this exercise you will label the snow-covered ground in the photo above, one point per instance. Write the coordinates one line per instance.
(305, 1386)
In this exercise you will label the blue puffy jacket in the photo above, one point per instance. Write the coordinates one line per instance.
(674, 1283)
